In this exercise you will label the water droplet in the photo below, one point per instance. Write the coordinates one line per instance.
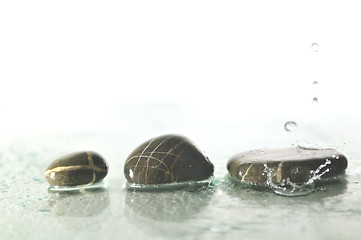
(290, 126)
(44, 210)
(315, 100)
(315, 47)
(315, 84)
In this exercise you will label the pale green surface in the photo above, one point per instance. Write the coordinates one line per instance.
(236, 71)
(29, 211)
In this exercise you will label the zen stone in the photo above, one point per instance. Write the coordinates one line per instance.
(80, 168)
(167, 159)
(295, 164)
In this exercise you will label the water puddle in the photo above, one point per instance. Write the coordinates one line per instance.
(95, 186)
(188, 186)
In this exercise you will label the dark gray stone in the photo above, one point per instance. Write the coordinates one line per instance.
(296, 164)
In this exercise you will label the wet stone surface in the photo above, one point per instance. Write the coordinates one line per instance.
(296, 164)
(167, 159)
(76, 169)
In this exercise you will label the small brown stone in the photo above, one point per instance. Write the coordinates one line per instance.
(75, 169)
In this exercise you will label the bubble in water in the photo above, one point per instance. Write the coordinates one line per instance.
(290, 126)
(315, 100)
(315, 47)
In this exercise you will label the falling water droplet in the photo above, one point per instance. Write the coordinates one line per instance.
(315, 100)
(315, 47)
(315, 84)
(290, 126)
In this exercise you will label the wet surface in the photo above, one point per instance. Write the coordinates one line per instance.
(107, 76)
(223, 209)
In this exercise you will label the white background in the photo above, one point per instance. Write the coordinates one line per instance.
(72, 64)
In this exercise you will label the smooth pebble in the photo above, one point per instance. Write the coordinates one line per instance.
(167, 159)
(294, 164)
(76, 169)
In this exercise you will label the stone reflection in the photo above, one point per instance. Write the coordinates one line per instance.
(167, 206)
(85, 203)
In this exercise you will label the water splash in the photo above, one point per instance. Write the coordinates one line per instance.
(319, 172)
(290, 126)
(290, 189)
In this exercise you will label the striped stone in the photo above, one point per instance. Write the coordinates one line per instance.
(295, 164)
(167, 159)
(75, 169)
